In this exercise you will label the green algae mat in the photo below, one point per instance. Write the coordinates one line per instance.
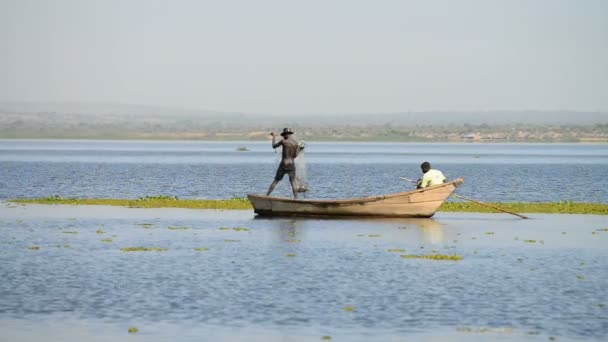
(238, 203)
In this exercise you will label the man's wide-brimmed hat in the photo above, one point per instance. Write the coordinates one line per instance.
(286, 131)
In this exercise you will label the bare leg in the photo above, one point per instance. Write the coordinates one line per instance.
(293, 188)
(271, 188)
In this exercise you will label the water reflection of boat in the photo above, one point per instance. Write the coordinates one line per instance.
(415, 203)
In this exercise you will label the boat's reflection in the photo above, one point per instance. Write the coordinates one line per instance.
(426, 230)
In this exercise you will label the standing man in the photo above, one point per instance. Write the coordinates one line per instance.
(291, 148)
(430, 177)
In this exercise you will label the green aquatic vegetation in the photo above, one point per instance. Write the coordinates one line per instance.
(72, 219)
(133, 330)
(242, 203)
(580, 277)
(602, 230)
(502, 330)
(237, 203)
(143, 249)
(158, 197)
(562, 207)
(489, 233)
(433, 257)
(396, 250)
(34, 248)
(373, 235)
(240, 229)
(107, 240)
(325, 338)
(201, 249)
(70, 232)
(290, 255)
(228, 240)
(224, 228)
(600, 305)
(19, 221)
(349, 308)
(145, 225)
(242, 149)
(530, 241)
(292, 241)
(99, 231)
(178, 228)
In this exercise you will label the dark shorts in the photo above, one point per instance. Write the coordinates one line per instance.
(281, 171)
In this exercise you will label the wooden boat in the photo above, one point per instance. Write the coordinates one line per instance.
(415, 203)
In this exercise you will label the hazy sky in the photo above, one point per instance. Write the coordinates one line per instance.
(308, 56)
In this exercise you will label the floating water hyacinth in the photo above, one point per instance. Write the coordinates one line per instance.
(99, 231)
(326, 338)
(240, 229)
(290, 255)
(224, 228)
(228, 240)
(143, 249)
(133, 330)
(70, 232)
(292, 241)
(201, 249)
(503, 330)
(530, 241)
(145, 225)
(396, 250)
(489, 233)
(34, 248)
(373, 235)
(106, 240)
(433, 257)
(580, 277)
(178, 228)
(349, 308)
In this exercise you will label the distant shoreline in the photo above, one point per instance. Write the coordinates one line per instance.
(321, 140)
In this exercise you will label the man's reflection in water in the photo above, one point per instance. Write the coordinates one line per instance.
(288, 230)
(432, 231)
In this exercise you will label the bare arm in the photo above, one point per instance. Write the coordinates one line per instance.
(275, 144)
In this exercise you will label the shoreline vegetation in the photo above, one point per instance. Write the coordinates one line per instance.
(241, 203)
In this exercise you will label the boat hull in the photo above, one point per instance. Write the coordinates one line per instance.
(415, 203)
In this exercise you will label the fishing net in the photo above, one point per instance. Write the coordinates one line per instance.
(301, 183)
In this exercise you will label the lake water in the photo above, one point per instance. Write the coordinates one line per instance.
(229, 275)
(295, 279)
(193, 169)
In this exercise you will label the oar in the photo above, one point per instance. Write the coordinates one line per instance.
(476, 201)
(491, 206)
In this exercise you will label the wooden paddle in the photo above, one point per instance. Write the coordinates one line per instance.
(476, 201)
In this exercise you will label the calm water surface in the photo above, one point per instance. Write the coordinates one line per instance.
(192, 169)
(291, 280)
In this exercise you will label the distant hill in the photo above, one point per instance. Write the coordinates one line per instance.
(118, 121)
(406, 118)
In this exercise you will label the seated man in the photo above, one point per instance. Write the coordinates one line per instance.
(430, 177)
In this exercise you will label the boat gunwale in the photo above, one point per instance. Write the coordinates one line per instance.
(456, 182)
